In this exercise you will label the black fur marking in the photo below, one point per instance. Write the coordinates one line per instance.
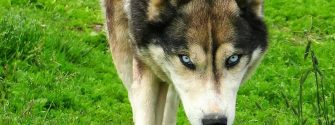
(242, 3)
(210, 2)
(182, 2)
(161, 33)
(214, 46)
(251, 32)
(138, 25)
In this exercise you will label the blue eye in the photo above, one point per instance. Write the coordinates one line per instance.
(186, 61)
(233, 60)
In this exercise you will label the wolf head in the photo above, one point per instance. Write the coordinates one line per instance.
(204, 48)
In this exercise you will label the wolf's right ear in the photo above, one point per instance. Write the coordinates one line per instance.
(255, 6)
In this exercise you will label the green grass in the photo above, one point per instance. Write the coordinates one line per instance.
(55, 66)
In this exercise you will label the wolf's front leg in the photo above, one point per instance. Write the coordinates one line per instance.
(144, 94)
(171, 107)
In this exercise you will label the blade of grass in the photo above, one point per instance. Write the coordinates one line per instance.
(315, 63)
(46, 114)
(288, 104)
(325, 108)
(308, 49)
(258, 106)
(333, 94)
(302, 81)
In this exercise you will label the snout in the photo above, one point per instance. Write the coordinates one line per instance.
(214, 119)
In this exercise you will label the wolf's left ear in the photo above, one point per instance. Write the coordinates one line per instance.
(254, 6)
(159, 11)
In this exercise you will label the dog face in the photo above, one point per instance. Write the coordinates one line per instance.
(204, 48)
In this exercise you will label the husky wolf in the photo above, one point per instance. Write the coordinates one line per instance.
(197, 50)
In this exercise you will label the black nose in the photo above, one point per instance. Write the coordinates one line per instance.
(214, 120)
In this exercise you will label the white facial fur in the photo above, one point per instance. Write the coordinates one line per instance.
(197, 89)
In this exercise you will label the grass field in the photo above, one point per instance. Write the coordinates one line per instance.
(55, 67)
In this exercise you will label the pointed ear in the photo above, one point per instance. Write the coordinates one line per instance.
(159, 11)
(255, 6)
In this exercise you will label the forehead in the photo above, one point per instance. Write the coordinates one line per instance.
(209, 9)
(209, 22)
